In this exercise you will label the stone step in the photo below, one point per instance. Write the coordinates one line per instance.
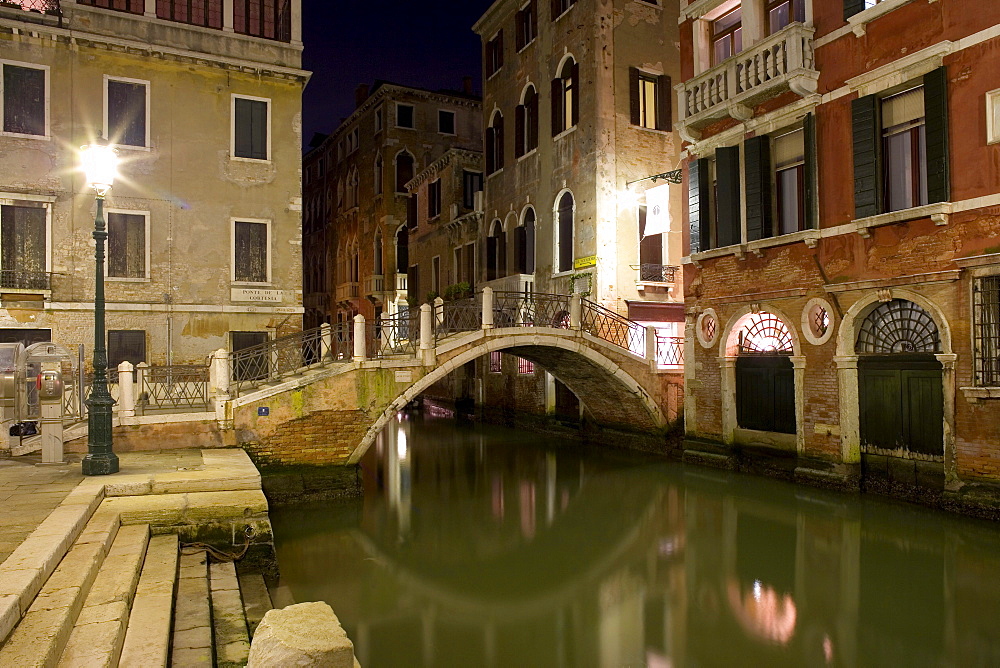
(232, 642)
(99, 633)
(256, 600)
(192, 638)
(43, 631)
(147, 640)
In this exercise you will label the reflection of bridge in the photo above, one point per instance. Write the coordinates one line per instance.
(322, 395)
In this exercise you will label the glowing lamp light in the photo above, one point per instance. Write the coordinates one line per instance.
(627, 198)
(100, 165)
(401, 450)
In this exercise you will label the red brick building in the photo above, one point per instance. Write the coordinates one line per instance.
(843, 224)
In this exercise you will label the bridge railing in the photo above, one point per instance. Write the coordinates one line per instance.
(460, 315)
(287, 355)
(520, 309)
(669, 350)
(612, 327)
(394, 335)
(175, 388)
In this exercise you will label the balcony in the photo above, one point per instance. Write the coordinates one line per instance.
(513, 283)
(16, 280)
(374, 285)
(401, 284)
(655, 276)
(347, 291)
(37, 6)
(782, 62)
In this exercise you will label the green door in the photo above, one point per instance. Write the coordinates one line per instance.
(901, 403)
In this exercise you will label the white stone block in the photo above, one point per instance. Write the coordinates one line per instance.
(305, 634)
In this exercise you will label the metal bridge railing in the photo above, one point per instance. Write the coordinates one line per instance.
(270, 361)
(669, 350)
(394, 335)
(177, 388)
(460, 315)
(612, 327)
(520, 309)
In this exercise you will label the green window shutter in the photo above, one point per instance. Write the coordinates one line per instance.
(852, 7)
(727, 189)
(698, 199)
(576, 93)
(519, 135)
(664, 103)
(757, 165)
(811, 195)
(864, 122)
(633, 95)
(936, 128)
(557, 106)
(243, 129)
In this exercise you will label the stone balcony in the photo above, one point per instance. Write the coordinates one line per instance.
(781, 62)
(347, 291)
(375, 285)
(513, 283)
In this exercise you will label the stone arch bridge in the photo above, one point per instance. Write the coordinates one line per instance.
(322, 396)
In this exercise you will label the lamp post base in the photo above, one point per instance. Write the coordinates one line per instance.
(100, 464)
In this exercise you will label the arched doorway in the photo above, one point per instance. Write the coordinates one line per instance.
(901, 405)
(765, 375)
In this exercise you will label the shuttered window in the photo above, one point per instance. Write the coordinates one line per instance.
(494, 54)
(699, 205)
(526, 22)
(22, 247)
(434, 198)
(560, 7)
(789, 181)
(494, 144)
(728, 217)
(904, 147)
(126, 245)
(566, 98)
(250, 128)
(23, 100)
(404, 171)
(649, 97)
(526, 122)
(757, 163)
(565, 232)
(127, 112)
(250, 256)
(472, 182)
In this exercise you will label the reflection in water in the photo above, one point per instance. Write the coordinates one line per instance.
(490, 547)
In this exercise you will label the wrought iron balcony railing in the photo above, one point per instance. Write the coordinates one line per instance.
(656, 273)
(15, 279)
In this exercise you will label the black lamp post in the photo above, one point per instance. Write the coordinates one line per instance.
(100, 163)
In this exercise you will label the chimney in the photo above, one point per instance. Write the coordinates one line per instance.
(360, 95)
(467, 85)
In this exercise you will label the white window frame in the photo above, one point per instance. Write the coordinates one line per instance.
(146, 145)
(232, 249)
(11, 199)
(992, 108)
(145, 270)
(413, 107)
(48, 100)
(454, 122)
(232, 128)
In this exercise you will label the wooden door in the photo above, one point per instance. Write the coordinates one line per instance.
(765, 393)
(901, 403)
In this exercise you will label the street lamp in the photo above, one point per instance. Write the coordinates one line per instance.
(100, 164)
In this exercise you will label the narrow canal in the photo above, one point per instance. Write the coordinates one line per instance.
(480, 546)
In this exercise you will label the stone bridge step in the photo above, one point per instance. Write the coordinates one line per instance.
(192, 638)
(147, 640)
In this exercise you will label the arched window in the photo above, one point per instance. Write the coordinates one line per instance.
(494, 143)
(352, 189)
(566, 97)
(404, 170)
(379, 167)
(340, 193)
(526, 122)
(377, 253)
(564, 238)
(765, 333)
(496, 252)
(898, 326)
(765, 376)
(524, 243)
(402, 250)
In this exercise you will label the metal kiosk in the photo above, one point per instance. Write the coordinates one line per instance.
(53, 367)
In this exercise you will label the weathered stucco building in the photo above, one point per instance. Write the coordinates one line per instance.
(842, 283)
(357, 202)
(204, 223)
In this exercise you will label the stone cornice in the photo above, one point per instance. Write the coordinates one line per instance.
(435, 167)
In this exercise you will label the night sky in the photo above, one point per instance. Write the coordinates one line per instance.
(349, 42)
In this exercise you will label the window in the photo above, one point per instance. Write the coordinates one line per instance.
(564, 238)
(378, 120)
(270, 19)
(525, 367)
(566, 98)
(126, 106)
(560, 7)
(789, 181)
(446, 122)
(650, 252)
(494, 54)
(404, 170)
(353, 141)
(649, 100)
(900, 143)
(130, 6)
(251, 261)
(524, 243)
(495, 361)
(436, 274)
(402, 250)
(251, 139)
(496, 252)
(379, 168)
(986, 324)
(526, 24)
(465, 264)
(434, 198)
(252, 367)
(993, 117)
(904, 150)
(413, 283)
(24, 95)
(404, 116)
(727, 35)
(412, 219)
(22, 247)
(352, 188)
(494, 144)
(852, 7)
(126, 345)
(526, 123)
(781, 13)
(472, 183)
(127, 250)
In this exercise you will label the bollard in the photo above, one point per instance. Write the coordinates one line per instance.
(360, 349)
(326, 341)
(438, 311)
(426, 327)
(575, 311)
(487, 308)
(140, 385)
(218, 378)
(126, 392)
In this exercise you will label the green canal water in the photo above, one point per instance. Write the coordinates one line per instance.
(480, 546)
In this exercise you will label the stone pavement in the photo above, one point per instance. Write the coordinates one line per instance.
(28, 493)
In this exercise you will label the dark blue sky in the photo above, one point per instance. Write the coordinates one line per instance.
(348, 42)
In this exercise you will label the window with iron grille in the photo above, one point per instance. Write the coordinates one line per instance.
(126, 106)
(126, 345)
(24, 99)
(495, 361)
(250, 247)
(525, 366)
(250, 128)
(22, 247)
(986, 293)
(126, 245)
(205, 13)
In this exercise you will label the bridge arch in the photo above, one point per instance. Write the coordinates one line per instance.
(590, 367)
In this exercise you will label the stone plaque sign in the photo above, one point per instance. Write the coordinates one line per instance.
(404, 376)
(255, 295)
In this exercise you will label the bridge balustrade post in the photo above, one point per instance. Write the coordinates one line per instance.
(126, 393)
(326, 341)
(438, 312)
(427, 351)
(575, 311)
(487, 308)
(360, 347)
(652, 347)
(140, 391)
(218, 379)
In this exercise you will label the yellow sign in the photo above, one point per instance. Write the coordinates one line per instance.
(584, 262)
